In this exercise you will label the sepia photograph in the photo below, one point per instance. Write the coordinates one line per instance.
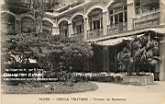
(82, 51)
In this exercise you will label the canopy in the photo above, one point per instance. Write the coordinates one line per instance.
(115, 41)
(112, 42)
(158, 30)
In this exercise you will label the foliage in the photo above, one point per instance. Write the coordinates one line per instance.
(67, 57)
(53, 54)
(142, 52)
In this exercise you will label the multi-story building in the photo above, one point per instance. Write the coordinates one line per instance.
(101, 22)
(26, 16)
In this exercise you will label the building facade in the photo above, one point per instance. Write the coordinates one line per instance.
(99, 22)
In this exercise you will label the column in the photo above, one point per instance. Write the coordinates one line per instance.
(105, 22)
(113, 20)
(55, 30)
(130, 14)
(162, 64)
(70, 27)
(124, 15)
(38, 23)
(105, 58)
(86, 28)
(162, 12)
(124, 28)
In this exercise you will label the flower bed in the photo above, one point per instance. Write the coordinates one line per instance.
(138, 80)
(100, 77)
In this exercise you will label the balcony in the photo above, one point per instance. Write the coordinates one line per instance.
(17, 6)
(116, 28)
(148, 19)
(18, 3)
(94, 33)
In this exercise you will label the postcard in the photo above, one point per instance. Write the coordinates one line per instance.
(82, 52)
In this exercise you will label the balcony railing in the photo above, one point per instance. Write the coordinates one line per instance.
(20, 3)
(77, 36)
(94, 33)
(117, 28)
(148, 19)
(48, 29)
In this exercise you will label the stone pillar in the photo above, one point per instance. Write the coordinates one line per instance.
(38, 22)
(162, 64)
(55, 28)
(105, 22)
(162, 12)
(130, 14)
(70, 27)
(105, 58)
(86, 28)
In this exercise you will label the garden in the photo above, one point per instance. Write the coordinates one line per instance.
(62, 65)
(57, 59)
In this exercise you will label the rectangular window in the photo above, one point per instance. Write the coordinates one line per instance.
(111, 12)
(137, 6)
(137, 3)
(111, 20)
(96, 24)
(116, 19)
(121, 18)
(125, 17)
(66, 32)
(91, 25)
(79, 29)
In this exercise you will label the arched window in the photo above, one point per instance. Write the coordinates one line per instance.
(95, 19)
(47, 27)
(78, 24)
(63, 27)
(118, 16)
(8, 23)
(27, 25)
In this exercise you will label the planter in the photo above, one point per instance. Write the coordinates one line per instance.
(138, 80)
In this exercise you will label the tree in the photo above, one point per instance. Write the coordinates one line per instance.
(142, 52)
(68, 57)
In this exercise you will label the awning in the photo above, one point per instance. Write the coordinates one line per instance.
(158, 30)
(112, 42)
